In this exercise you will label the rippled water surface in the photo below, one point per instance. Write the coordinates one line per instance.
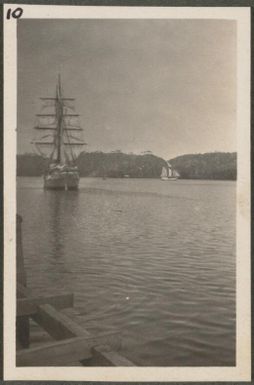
(153, 259)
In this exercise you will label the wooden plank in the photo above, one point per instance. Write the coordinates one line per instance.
(39, 338)
(57, 324)
(29, 306)
(105, 356)
(60, 326)
(61, 353)
(102, 355)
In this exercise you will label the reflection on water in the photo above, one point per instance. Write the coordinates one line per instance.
(155, 260)
(59, 203)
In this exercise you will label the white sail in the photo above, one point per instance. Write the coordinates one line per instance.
(164, 172)
(176, 174)
(168, 173)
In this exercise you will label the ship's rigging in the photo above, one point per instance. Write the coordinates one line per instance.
(59, 134)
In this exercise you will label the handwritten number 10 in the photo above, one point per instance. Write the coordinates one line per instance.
(16, 14)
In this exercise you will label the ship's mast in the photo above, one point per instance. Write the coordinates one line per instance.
(64, 134)
(59, 120)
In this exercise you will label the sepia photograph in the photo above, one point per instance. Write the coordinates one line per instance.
(128, 166)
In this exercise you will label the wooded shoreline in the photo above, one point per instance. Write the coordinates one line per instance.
(213, 166)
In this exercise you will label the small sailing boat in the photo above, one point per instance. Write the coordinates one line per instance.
(168, 173)
(61, 141)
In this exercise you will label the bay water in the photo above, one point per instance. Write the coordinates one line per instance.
(154, 260)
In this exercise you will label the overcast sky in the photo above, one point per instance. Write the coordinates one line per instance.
(168, 86)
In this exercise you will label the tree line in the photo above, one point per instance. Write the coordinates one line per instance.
(213, 165)
(216, 165)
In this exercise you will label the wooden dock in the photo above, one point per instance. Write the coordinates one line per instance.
(61, 342)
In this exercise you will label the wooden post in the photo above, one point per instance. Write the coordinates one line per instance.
(22, 323)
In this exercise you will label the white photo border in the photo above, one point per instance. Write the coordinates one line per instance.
(242, 370)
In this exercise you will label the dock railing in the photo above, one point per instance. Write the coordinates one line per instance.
(72, 344)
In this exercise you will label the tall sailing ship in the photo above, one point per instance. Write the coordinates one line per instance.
(168, 173)
(59, 139)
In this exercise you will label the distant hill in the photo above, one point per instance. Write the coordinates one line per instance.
(216, 165)
(117, 164)
(114, 165)
(30, 165)
(213, 165)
